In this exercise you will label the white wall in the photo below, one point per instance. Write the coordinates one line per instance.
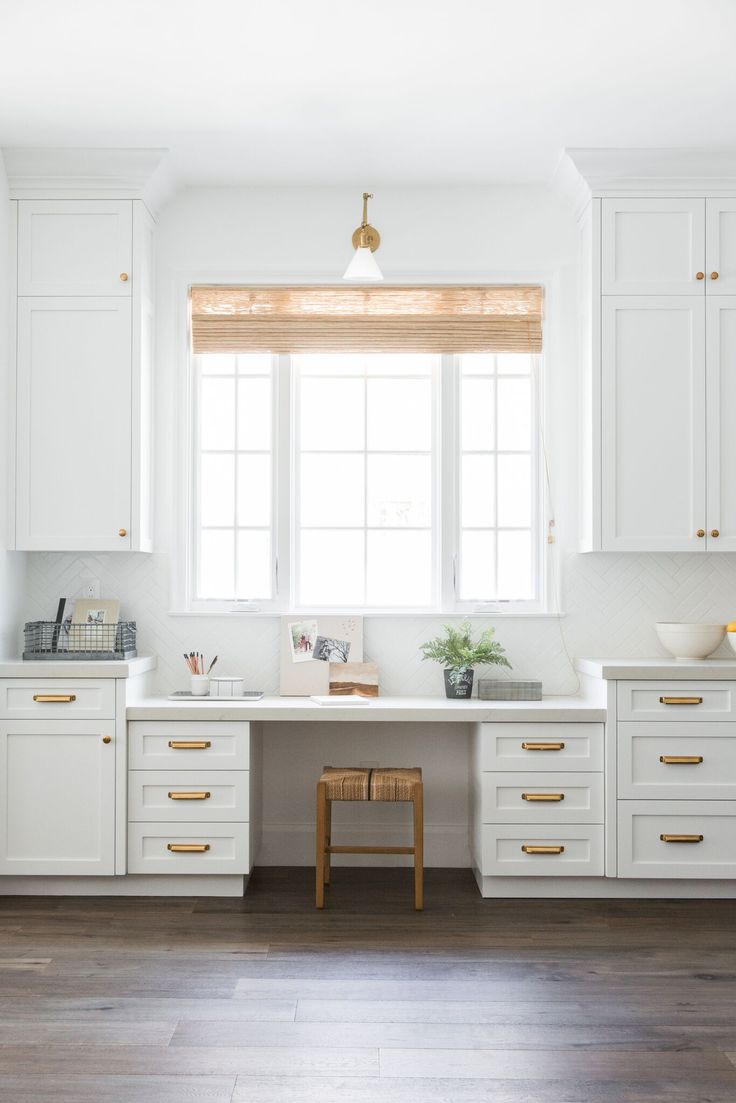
(11, 563)
(611, 601)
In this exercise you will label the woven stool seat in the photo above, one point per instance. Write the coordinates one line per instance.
(395, 783)
(346, 782)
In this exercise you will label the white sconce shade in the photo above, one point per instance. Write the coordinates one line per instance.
(363, 267)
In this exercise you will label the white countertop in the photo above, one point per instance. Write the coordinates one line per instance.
(417, 709)
(672, 669)
(71, 668)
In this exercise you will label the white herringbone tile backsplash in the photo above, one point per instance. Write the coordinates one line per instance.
(611, 603)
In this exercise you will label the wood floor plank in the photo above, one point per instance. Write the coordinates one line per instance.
(58, 1060)
(593, 1062)
(116, 1089)
(143, 1032)
(139, 1008)
(716, 1088)
(419, 1035)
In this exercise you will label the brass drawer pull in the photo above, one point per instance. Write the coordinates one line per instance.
(54, 698)
(527, 849)
(189, 796)
(189, 744)
(681, 700)
(681, 838)
(542, 746)
(188, 848)
(681, 759)
(543, 796)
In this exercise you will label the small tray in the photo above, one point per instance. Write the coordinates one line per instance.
(187, 695)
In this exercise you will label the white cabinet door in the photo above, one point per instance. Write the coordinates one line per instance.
(653, 423)
(75, 247)
(720, 246)
(721, 420)
(57, 797)
(653, 246)
(74, 424)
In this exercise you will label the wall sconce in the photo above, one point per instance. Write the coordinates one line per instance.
(366, 239)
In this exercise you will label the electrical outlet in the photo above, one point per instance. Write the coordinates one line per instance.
(90, 588)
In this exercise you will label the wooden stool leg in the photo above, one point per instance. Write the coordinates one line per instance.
(419, 847)
(320, 844)
(328, 840)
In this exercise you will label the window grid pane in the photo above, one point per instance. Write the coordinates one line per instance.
(497, 483)
(234, 481)
(362, 441)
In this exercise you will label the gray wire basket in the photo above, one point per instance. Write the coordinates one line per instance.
(48, 640)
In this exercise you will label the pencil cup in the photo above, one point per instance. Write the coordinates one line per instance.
(200, 685)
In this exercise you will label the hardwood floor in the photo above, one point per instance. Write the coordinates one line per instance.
(266, 1000)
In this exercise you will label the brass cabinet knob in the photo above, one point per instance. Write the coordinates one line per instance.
(700, 275)
(700, 533)
(107, 739)
(122, 532)
(715, 533)
(714, 275)
(124, 276)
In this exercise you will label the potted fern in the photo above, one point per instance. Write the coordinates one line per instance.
(459, 654)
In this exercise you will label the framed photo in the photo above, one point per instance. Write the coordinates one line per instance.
(302, 638)
(94, 625)
(353, 680)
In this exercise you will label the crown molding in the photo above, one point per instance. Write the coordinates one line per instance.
(585, 173)
(81, 173)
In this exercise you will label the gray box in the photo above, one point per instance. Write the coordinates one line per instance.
(500, 689)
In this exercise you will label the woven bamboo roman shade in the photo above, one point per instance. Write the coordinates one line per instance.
(367, 319)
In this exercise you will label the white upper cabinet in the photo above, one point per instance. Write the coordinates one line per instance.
(653, 246)
(653, 424)
(75, 247)
(84, 376)
(720, 246)
(721, 418)
(73, 472)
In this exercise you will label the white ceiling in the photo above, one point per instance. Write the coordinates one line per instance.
(341, 91)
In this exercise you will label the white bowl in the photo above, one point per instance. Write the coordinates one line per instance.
(690, 641)
(731, 637)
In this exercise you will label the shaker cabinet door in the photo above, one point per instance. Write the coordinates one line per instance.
(73, 448)
(653, 424)
(75, 247)
(721, 420)
(653, 247)
(720, 246)
(57, 797)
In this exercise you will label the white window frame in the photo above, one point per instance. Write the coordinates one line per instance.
(182, 457)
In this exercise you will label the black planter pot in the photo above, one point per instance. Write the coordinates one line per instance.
(461, 686)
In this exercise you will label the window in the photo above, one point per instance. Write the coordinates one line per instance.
(393, 479)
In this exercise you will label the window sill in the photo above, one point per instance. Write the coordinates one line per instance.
(368, 615)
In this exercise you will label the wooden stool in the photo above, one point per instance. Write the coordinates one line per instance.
(356, 783)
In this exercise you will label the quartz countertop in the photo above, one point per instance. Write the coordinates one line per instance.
(672, 669)
(410, 709)
(72, 668)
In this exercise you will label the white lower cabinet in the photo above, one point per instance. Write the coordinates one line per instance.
(538, 800)
(189, 797)
(57, 797)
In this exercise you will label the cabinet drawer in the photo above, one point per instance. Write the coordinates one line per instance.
(57, 698)
(642, 852)
(188, 795)
(188, 745)
(574, 851)
(677, 761)
(541, 747)
(220, 848)
(677, 702)
(533, 798)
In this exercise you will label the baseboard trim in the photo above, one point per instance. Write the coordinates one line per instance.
(134, 885)
(601, 888)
